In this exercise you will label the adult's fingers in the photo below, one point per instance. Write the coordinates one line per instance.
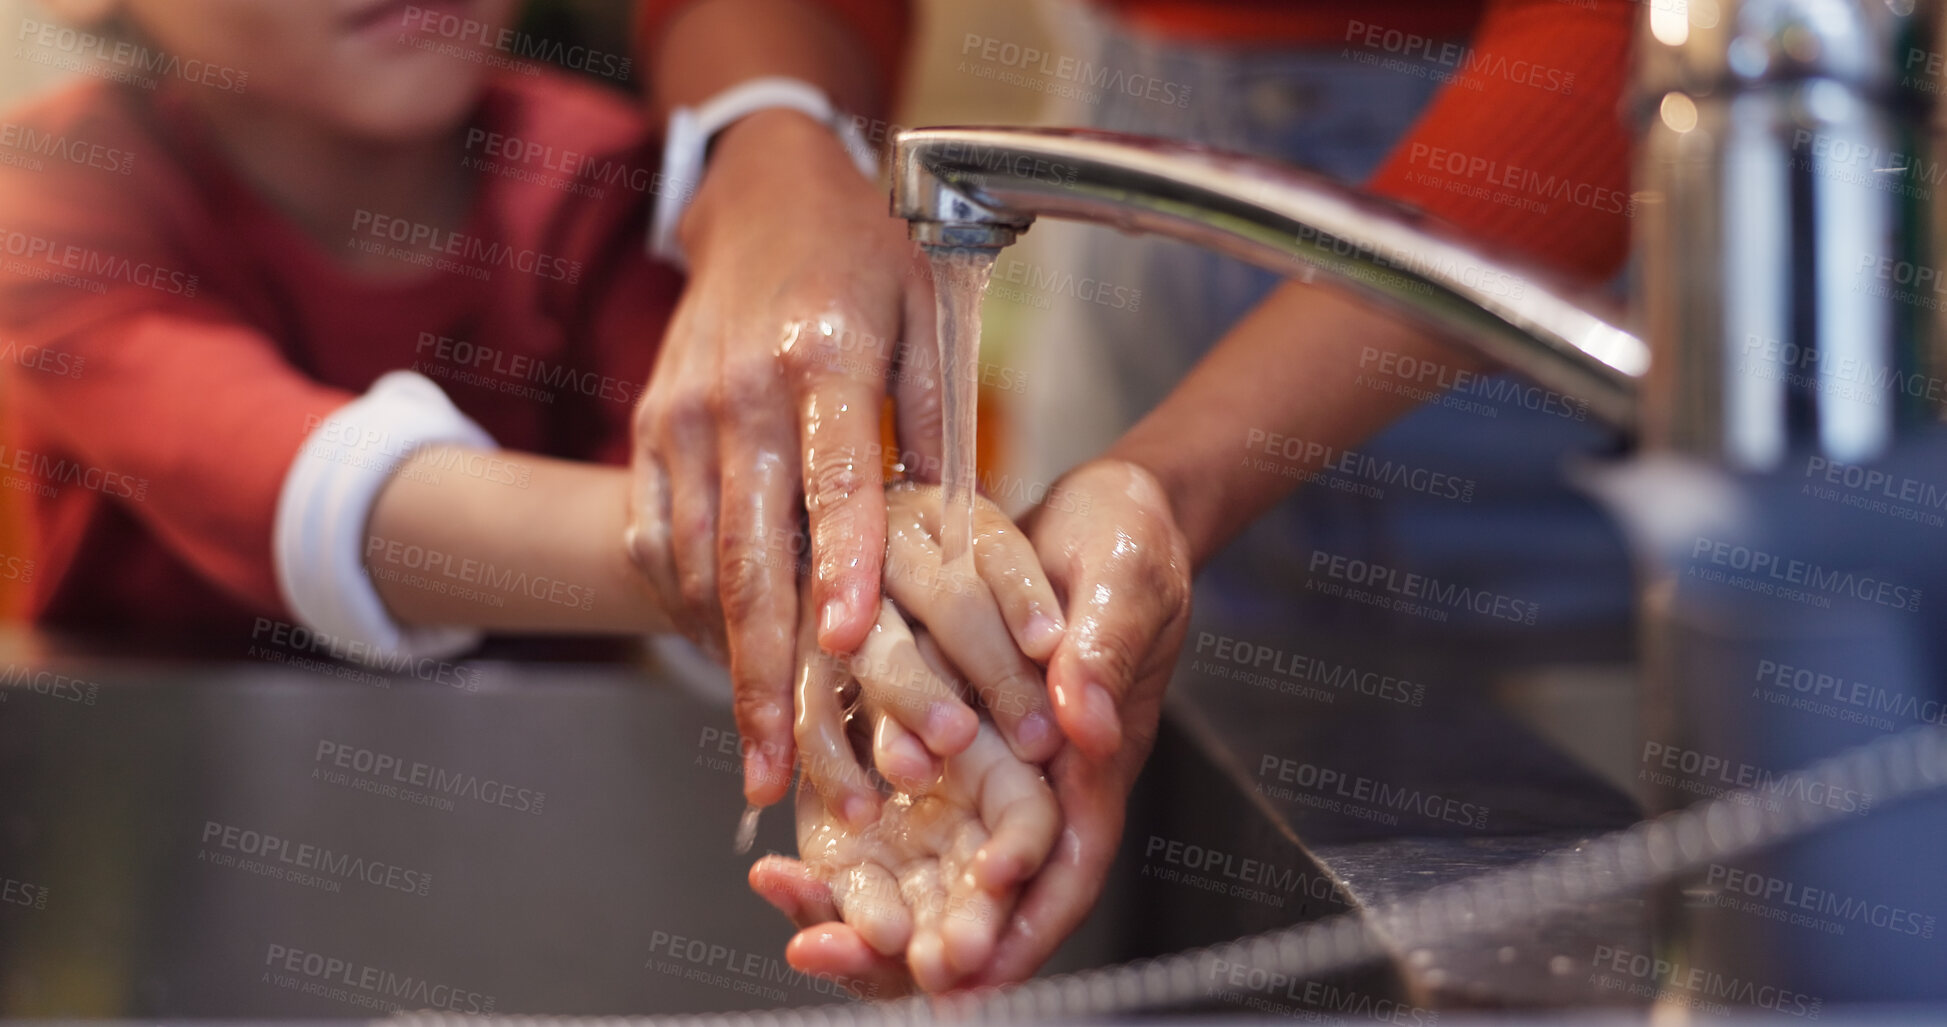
(1022, 817)
(757, 571)
(1091, 794)
(917, 391)
(895, 680)
(838, 951)
(824, 946)
(1126, 594)
(685, 447)
(839, 394)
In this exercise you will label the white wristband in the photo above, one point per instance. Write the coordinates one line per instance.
(692, 128)
(318, 542)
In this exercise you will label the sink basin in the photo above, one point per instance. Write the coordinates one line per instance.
(243, 840)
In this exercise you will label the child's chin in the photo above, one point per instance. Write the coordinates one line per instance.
(407, 120)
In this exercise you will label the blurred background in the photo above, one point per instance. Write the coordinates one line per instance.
(940, 93)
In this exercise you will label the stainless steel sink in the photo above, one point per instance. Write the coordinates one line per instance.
(210, 840)
(241, 839)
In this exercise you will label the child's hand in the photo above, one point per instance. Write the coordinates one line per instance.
(931, 884)
(993, 621)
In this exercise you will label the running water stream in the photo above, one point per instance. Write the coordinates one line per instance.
(960, 279)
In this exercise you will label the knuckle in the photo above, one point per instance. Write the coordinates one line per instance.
(1174, 584)
(812, 354)
(922, 399)
(805, 731)
(664, 419)
(743, 581)
(835, 474)
(747, 389)
(833, 769)
(646, 552)
(1171, 589)
(1113, 658)
(697, 586)
(993, 531)
(1013, 695)
(647, 414)
(968, 589)
(757, 712)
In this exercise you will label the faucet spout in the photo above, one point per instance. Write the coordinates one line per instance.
(981, 187)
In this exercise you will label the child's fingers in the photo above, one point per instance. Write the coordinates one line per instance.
(901, 757)
(925, 891)
(1023, 822)
(894, 680)
(836, 951)
(823, 746)
(1007, 563)
(1019, 705)
(868, 898)
(961, 615)
(971, 920)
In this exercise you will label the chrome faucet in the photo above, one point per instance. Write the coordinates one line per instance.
(1755, 254)
(981, 187)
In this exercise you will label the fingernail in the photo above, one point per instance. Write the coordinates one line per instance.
(992, 872)
(948, 721)
(757, 771)
(909, 759)
(858, 812)
(1042, 634)
(831, 616)
(1033, 729)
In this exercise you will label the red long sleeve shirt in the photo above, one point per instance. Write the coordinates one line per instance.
(1524, 149)
(185, 335)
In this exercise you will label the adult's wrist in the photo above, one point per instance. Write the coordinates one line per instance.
(771, 150)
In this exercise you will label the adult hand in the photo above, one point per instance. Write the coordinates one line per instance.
(768, 392)
(1111, 548)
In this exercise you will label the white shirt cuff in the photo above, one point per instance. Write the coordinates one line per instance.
(318, 543)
